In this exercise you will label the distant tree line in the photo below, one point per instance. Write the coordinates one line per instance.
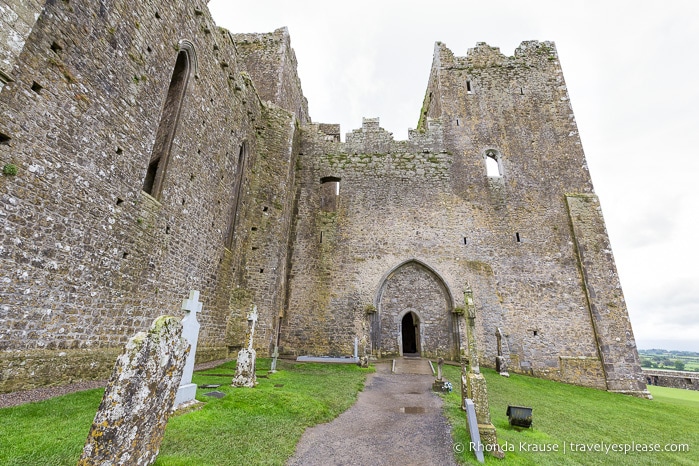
(673, 359)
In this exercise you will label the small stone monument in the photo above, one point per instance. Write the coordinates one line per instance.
(245, 368)
(190, 331)
(439, 385)
(130, 422)
(476, 388)
(500, 362)
(275, 355)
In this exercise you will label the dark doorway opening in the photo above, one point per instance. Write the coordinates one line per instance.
(409, 331)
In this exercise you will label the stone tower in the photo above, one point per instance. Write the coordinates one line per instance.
(157, 153)
(389, 232)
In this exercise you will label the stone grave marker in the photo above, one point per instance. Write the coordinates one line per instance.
(245, 366)
(440, 385)
(275, 355)
(500, 362)
(476, 445)
(190, 331)
(476, 388)
(130, 422)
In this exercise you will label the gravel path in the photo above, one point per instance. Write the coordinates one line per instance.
(44, 393)
(397, 420)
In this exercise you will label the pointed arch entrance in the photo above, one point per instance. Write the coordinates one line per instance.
(414, 313)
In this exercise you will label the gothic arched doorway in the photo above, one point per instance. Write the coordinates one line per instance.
(410, 333)
(413, 295)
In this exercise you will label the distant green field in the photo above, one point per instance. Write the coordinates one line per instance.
(663, 359)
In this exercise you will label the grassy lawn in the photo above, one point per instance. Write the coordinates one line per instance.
(566, 414)
(263, 425)
(247, 426)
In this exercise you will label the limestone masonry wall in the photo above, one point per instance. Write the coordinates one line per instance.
(673, 379)
(157, 153)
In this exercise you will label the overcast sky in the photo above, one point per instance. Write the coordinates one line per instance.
(632, 72)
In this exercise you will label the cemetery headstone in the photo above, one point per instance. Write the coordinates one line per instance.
(130, 422)
(440, 385)
(187, 391)
(275, 355)
(245, 366)
(476, 388)
(476, 444)
(500, 362)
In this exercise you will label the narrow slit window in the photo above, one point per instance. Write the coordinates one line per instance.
(237, 194)
(469, 90)
(329, 192)
(517, 237)
(153, 183)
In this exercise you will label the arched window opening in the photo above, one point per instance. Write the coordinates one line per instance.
(492, 163)
(237, 193)
(329, 192)
(157, 167)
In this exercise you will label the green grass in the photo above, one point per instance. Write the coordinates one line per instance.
(263, 425)
(258, 425)
(50, 432)
(566, 414)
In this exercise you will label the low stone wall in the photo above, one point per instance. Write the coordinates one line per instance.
(672, 379)
(24, 370)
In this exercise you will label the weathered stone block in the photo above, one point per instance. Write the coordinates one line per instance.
(130, 422)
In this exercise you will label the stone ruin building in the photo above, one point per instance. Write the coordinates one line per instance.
(157, 153)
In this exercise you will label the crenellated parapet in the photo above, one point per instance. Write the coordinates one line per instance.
(271, 62)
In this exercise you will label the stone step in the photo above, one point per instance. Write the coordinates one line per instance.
(413, 365)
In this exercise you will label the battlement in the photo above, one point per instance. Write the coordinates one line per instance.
(529, 53)
(196, 166)
(271, 62)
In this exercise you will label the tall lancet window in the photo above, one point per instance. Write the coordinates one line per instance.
(237, 192)
(157, 167)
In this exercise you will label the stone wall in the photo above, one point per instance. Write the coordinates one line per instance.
(271, 62)
(673, 379)
(158, 153)
(17, 18)
(430, 200)
(88, 258)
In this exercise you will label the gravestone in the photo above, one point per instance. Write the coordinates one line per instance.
(440, 385)
(130, 422)
(476, 445)
(190, 331)
(245, 366)
(275, 355)
(476, 388)
(500, 362)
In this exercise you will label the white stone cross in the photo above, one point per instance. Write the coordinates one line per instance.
(190, 331)
(192, 304)
(252, 320)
